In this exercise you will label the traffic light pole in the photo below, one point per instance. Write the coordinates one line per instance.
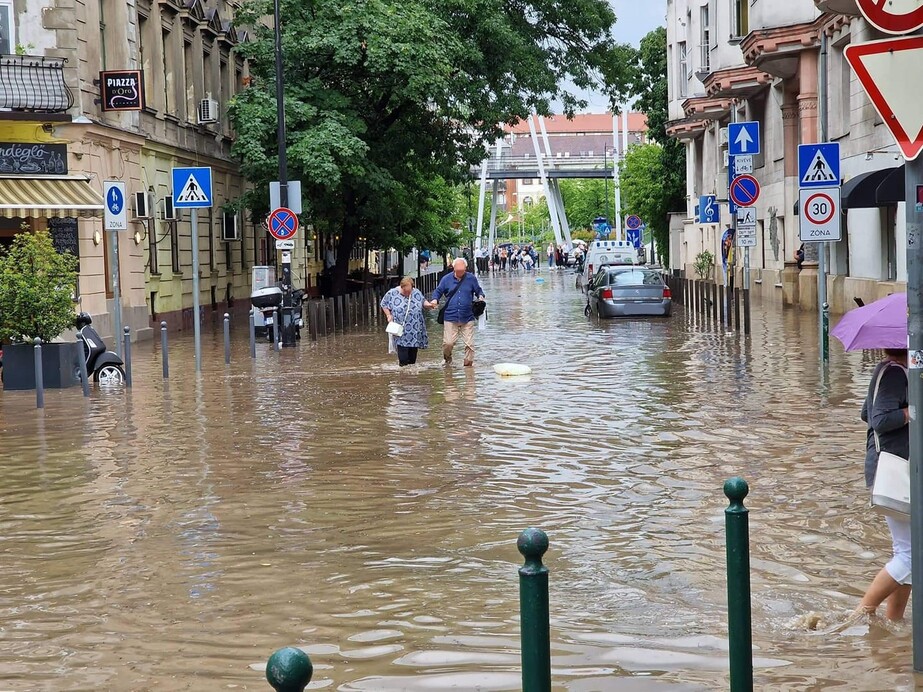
(287, 326)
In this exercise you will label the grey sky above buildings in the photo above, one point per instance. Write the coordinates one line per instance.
(635, 19)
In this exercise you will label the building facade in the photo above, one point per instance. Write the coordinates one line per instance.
(56, 55)
(762, 61)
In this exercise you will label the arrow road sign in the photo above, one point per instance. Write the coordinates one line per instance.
(115, 214)
(192, 187)
(708, 209)
(893, 16)
(283, 223)
(882, 68)
(744, 190)
(744, 138)
(819, 215)
(819, 165)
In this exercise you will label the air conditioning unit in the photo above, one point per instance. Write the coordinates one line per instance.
(143, 205)
(208, 111)
(167, 212)
(723, 136)
(230, 228)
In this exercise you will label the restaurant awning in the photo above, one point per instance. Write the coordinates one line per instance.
(859, 192)
(48, 196)
(891, 189)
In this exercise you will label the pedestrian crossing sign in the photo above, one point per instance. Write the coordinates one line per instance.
(192, 187)
(819, 165)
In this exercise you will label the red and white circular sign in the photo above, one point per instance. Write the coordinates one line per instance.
(893, 16)
(819, 208)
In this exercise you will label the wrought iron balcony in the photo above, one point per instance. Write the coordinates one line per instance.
(33, 83)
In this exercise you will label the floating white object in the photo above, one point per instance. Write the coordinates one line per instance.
(512, 369)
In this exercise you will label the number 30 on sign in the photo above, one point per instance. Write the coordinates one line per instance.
(820, 215)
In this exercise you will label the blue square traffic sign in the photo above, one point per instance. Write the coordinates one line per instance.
(744, 138)
(819, 165)
(192, 187)
(709, 212)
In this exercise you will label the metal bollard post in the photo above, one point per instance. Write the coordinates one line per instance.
(252, 332)
(740, 636)
(127, 356)
(39, 379)
(737, 321)
(746, 311)
(276, 315)
(227, 339)
(82, 369)
(289, 670)
(163, 349)
(535, 635)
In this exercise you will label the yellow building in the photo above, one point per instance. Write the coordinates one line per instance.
(60, 66)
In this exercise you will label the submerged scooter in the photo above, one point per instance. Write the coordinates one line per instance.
(103, 365)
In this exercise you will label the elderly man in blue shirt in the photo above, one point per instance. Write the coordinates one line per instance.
(461, 289)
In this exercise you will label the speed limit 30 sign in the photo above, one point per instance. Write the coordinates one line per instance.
(820, 215)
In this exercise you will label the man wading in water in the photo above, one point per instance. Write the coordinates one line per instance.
(461, 289)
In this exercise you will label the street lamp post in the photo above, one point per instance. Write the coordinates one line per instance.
(288, 313)
(606, 178)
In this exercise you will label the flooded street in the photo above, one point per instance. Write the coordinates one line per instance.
(172, 536)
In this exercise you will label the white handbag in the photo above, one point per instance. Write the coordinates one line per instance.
(891, 487)
(395, 328)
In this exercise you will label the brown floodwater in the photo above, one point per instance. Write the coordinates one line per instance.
(172, 536)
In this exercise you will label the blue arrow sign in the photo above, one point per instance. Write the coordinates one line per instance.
(708, 209)
(744, 138)
(819, 165)
(192, 187)
(633, 235)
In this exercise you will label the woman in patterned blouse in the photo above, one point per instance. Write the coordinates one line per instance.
(404, 305)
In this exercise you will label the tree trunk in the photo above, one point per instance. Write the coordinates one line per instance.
(345, 247)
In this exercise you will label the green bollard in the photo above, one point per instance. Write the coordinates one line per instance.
(535, 633)
(289, 670)
(740, 635)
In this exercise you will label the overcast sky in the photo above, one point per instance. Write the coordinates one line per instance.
(635, 19)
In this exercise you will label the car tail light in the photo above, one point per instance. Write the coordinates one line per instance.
(606, 294)
(667, 293)
(590, 268)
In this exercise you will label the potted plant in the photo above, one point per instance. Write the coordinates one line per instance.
(704, 264)
(36, 300)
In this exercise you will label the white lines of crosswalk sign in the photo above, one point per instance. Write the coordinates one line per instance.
(819, 165)
(192, 187)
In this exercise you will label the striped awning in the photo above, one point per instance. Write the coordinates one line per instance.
(48, 196)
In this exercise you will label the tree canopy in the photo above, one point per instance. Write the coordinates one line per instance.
(389, 104)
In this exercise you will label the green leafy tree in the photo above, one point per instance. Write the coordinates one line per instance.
(36, 288)
(666, 188)
(390, 103)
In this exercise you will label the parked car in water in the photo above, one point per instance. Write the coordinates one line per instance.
(626, 291)
(601, 252)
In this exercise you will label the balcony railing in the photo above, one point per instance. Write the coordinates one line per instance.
(32, 83)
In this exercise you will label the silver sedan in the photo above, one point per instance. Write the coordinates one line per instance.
(628, 291)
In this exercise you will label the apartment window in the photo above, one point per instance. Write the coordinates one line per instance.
(740, 10)
(169, 73)
(102, 34)
(682, 70)
(188, 61)
(838, 100)
(7, 39)
(705, 38)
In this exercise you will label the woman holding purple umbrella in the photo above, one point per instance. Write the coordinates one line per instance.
(883, 325)
(887, 414)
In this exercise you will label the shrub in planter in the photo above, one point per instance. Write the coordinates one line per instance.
(36, 289)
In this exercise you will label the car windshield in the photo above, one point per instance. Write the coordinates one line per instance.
(635, 277)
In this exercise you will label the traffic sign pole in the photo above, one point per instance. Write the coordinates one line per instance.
(196, 328)
(288, 313)
(913, 179)
(823, 325)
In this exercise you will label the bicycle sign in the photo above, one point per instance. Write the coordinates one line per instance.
(819, 213)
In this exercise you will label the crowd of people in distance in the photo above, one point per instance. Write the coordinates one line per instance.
(515, 258)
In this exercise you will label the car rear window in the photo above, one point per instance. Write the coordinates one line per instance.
(637, 277)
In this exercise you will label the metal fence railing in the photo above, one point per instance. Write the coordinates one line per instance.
(33, 83)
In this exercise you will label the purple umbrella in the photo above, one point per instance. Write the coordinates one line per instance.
(882, 324)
